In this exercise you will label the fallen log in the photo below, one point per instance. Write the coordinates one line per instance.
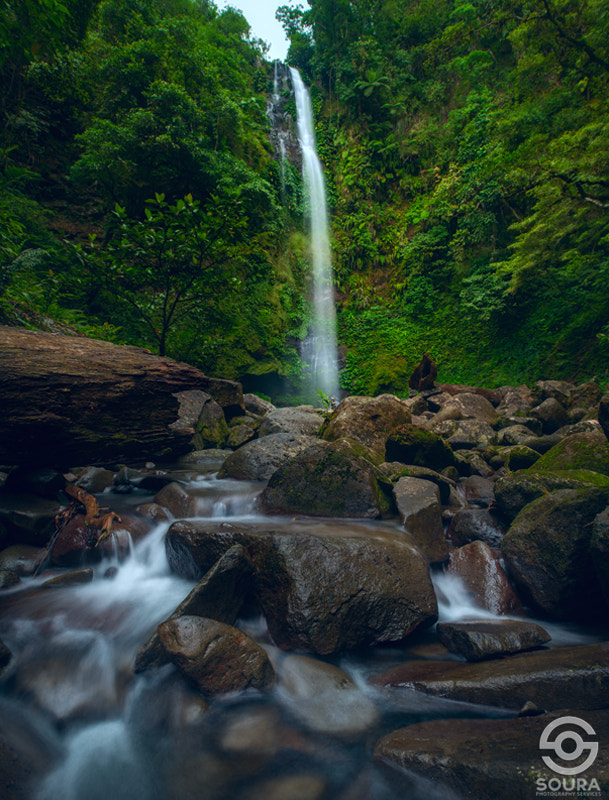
(69, 401)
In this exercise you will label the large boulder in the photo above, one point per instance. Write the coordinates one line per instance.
(552, 415)
(513, 492)
(259, 459)
(69, 400)
(588, 450)
(476, 524)
(328, 479)
(367, 420)
(215, 657)
(489, 759)
(419, 507)
(341, 587)
(561, 677)
(547, 553)
(599, 551)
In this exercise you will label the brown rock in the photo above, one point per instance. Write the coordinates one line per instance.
(562, 677)
(216, 657)
(477, 639)
(484, 577)
(367, 420)
(486, 759)
(424, 374)
(219, 595)
(72, 400)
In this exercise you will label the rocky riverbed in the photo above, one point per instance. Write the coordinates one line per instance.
(394, 599)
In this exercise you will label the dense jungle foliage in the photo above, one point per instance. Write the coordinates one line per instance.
(466, 146)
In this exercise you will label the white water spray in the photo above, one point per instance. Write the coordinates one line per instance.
(319, 349)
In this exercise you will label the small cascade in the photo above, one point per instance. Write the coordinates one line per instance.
(319, 349)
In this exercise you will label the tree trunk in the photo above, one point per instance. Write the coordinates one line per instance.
(72, 401)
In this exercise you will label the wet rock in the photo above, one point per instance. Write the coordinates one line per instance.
(216, 657)
(513, 492)
(477, 639)
(40, 481)
(489, 759)
(563, 677)
(476, 524)
(177, 501)
(95, 479)
(76, 540)
(367, 420)
(255, 733)
(551, 414)
(21, 558)
(74, 578)
(324, 697)
(418, 504)
(259, 459)
(27, 519)
(299, 421)
(328, 479)
(410, 444)
(219, 595)
(154, 512)
(588, 451)
(339, 588)
(302, 786)
(547, 555)
(327, 594)
(484, 578)
(8, 578)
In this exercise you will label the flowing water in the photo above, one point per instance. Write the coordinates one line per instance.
(89, 729)
(319, 349)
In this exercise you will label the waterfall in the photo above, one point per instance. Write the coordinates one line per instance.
(319, 348)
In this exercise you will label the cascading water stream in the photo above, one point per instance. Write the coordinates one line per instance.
(319, 349)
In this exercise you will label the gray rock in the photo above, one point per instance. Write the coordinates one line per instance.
(177, 501)
(299, 421)
(477, 639)
(259, 459)
(418, 504)
(256, 405)
(551, 414)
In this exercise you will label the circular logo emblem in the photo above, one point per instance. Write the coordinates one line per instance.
(576, 748)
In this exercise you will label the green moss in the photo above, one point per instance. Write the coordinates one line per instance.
(581, 451)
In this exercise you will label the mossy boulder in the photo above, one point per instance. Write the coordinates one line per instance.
(328, 479)
(367, 420)
(413, 445)
(513, 492)
(547, 553)
(588, 450)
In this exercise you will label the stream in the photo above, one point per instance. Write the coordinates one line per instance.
(92, 730)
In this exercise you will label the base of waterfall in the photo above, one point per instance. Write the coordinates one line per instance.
(258, 618)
